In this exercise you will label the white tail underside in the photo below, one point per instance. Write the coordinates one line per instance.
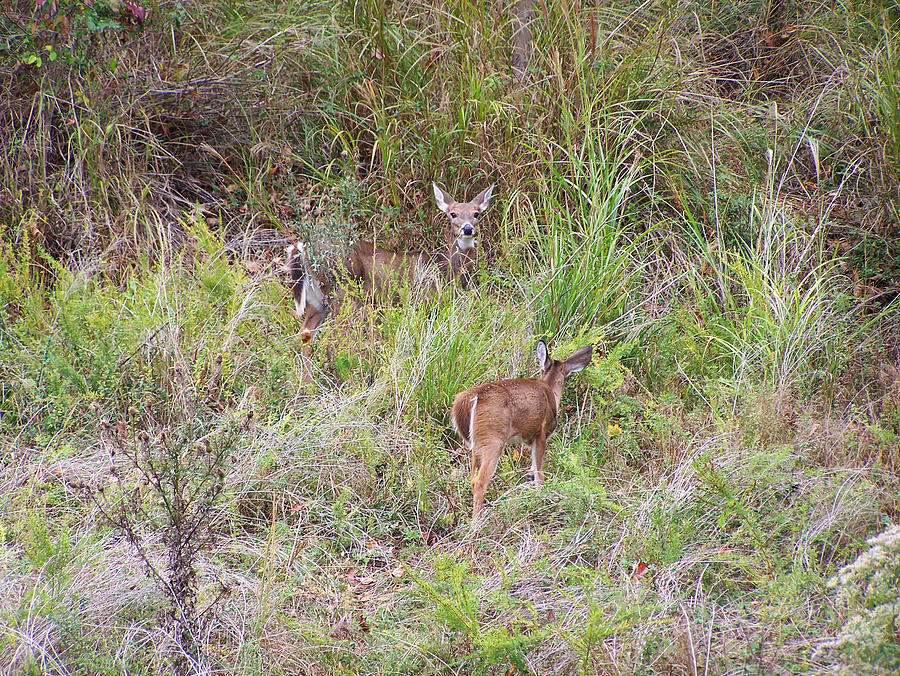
(472, 423)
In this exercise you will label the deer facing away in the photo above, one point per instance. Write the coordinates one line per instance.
(377, 269)
(523, 410)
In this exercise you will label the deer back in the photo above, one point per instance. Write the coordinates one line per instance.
(380, 269)
(520, 408)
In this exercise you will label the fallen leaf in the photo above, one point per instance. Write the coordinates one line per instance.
(138, 12)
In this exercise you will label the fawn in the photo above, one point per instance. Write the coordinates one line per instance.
(377, 269)
(523, 410)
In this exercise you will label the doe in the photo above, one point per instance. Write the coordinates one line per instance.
(377, 269)
(523, 410)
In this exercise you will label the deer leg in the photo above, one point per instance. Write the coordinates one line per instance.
(476, 464)
(538, 447)
(489, 457)
(533, 470)
(311, 323)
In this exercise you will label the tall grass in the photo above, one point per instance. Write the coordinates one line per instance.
(794, 315)
(773, 308)
(431, 351)
(581, 250)
(885, 91)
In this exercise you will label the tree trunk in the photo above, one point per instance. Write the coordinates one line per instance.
(523, 13)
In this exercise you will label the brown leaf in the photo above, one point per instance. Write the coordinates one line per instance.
(138, 12)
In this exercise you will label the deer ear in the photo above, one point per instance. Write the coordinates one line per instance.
(579, 360)
(481, 201)
(443, 198)
(544, 360)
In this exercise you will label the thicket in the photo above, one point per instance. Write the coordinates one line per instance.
(710, 190)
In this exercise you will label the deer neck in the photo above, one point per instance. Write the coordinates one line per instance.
(556, 382)
(461, 258)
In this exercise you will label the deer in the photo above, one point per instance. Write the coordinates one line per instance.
(378, 269)
(489, 416)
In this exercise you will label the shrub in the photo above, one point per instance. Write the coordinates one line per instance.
(869, 590)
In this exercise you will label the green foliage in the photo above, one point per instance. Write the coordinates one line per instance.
(579, 252)
(883, 85)
(768, 307)
(457, 604)
(88, 341)
(426, 343)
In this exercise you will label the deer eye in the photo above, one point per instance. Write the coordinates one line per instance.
(474, 214)
(453, 214)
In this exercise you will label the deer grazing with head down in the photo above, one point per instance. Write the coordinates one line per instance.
(523, 410)
(379, 269)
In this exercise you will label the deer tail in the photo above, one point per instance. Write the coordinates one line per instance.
(463, 418)
(297, 265)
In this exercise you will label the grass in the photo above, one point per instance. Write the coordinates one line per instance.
(706, 192)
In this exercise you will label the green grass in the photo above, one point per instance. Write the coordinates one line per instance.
(707, 193)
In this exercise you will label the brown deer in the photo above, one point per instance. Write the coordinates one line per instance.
(523, 410)
(378, 269)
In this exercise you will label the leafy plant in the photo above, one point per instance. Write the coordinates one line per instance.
(868, 590)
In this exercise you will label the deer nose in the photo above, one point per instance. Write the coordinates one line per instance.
(467, 230)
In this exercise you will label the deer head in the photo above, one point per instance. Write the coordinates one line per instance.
(462, 228)
(554, 373)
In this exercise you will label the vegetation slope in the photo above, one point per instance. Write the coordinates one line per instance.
(707, 190)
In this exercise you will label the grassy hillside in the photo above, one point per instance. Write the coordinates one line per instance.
(707, 190)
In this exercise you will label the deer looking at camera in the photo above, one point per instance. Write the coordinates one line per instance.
(378, 269)
(523, 410)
